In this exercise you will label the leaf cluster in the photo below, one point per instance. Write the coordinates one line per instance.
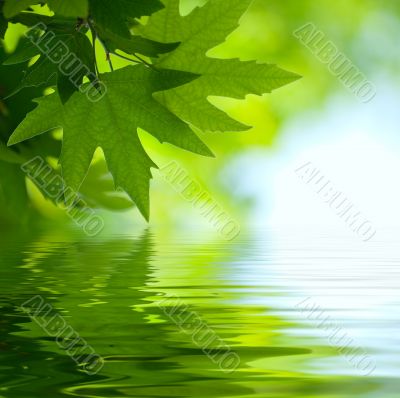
(164, 91)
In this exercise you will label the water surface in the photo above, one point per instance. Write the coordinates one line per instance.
(247, 294)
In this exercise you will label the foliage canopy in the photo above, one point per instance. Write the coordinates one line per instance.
(164, 92)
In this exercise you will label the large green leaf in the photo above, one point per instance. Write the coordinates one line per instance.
(70, 8)
(198, 32)
(112, 124)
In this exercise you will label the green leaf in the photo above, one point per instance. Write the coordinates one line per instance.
(82, 48)
(54, 23)
(23, 54)
(46, 71)
(70, 8)
(41, 73)
(112, 16)
(198, 32)
(112, 124)
(14, 7)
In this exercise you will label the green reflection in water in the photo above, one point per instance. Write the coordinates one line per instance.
(109, 289)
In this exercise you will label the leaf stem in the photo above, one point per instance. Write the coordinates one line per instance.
(107, 51)
(144, 61)
(126, 58)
